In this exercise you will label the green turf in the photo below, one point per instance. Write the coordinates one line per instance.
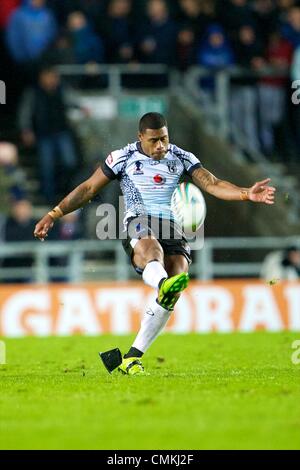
(237, 391)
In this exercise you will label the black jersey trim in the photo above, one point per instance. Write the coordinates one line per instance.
(193, 168)
(108, 171)
(184, 157)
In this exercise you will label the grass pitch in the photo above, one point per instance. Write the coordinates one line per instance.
(233, 391)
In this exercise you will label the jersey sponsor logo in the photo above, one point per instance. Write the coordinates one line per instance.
(138, 168)
(159, 179)
(172, 167)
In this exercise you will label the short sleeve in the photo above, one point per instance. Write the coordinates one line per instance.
(191, 162)
(188, 159)
(112, 166)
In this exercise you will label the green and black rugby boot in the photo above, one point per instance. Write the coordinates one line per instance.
(170, 287)
(131, 366)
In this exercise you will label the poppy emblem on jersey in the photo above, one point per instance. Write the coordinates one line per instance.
(158, 179)
(138, 168)
(172, 167)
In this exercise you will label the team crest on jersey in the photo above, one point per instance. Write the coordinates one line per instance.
(138, 168)
(172, 167)
(159, 179)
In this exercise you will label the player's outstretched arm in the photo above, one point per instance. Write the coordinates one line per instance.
(259, 192)
(73, 201)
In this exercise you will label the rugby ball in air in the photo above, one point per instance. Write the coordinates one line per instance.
(188, 206)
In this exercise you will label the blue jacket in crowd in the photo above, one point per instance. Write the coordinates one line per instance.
(87, 46)
(215, 56)
(30, 31)
(292, 35)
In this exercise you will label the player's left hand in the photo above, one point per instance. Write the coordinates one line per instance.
(261, 192)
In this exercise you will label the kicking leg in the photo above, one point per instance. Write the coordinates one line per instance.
(148, 256)
(156, 316)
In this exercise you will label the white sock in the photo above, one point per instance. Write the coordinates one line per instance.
(155, 319)
(153, 273)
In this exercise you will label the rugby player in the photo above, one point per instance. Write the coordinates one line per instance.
(149, 170)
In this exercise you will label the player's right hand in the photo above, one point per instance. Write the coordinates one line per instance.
(43, 226)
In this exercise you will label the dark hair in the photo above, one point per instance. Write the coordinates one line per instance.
(291, 249)
(152, 121)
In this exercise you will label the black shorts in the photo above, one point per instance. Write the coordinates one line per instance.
(167, 233)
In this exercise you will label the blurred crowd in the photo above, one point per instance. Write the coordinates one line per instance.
(173, 32)
(252, 34)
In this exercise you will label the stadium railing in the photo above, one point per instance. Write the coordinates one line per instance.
(93, 260)
(115, 74)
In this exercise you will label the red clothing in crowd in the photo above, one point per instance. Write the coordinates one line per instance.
(279, 54)
(6, 9)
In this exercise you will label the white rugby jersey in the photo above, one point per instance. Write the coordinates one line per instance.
(147, 185)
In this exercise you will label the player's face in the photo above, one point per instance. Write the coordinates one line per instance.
(155, 142)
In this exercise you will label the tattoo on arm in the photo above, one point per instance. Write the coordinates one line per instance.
(218, 188)
(204, 179)
(76, 199)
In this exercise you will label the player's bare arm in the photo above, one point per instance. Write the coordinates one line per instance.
(259, 192)
(73, 201)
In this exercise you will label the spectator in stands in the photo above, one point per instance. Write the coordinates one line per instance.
(19, 224)
(157, 36)
(234, 14)
(282, 265)
(272, 91)
(30, 31)
(117, 30)
(266, 16)
(18, 228)
(284, 6)
(209, 8)
(186, 48)
(194, 16)
(291, 27)
(244, 100)
(68, 228)
(43, 120)
(87, 46)
(90, 8)
(215, 52)
(13, 174)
